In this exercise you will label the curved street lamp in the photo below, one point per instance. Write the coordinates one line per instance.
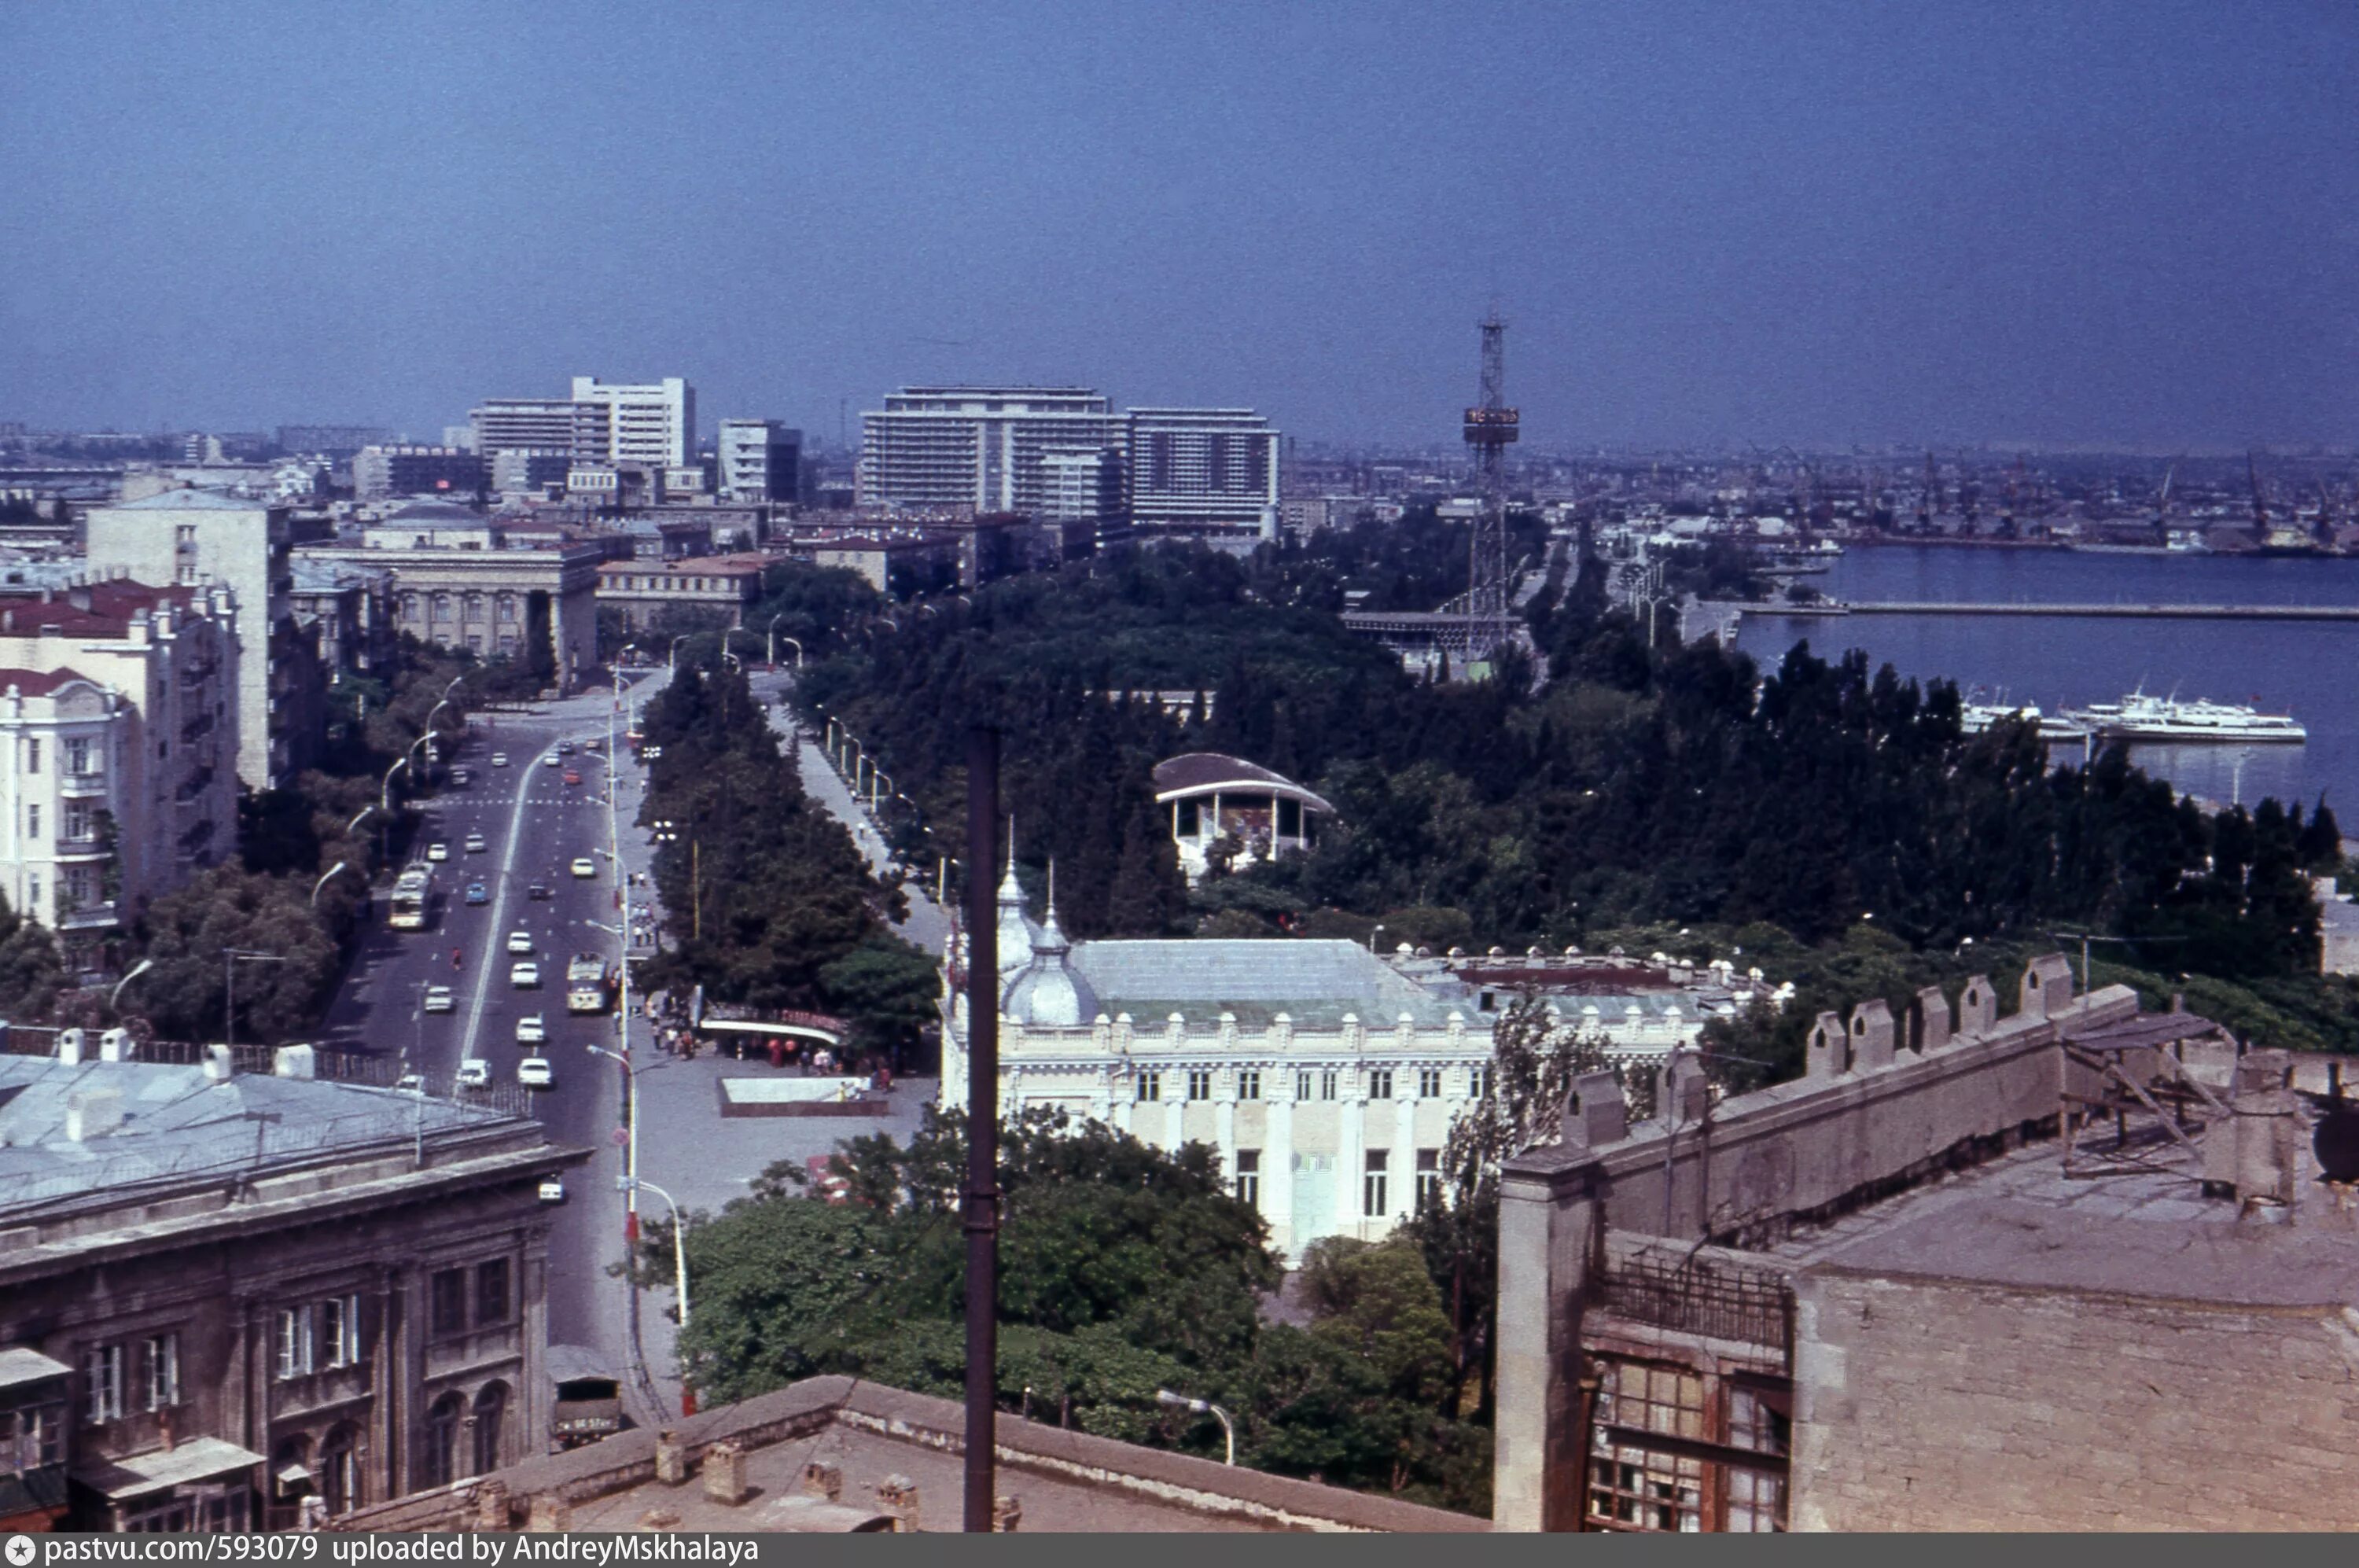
(114, 998)
(671, 660)
(322, 882)
(398, 764)
(1201, 1408)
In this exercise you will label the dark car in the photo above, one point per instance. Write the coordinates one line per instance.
(478, 894)
(538, 890)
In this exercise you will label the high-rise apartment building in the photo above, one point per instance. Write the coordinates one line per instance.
(1202, 473)
(1081, 493)
(382, 473)
(653, 423)
(761, 459)
(977, 447)
(187, 536)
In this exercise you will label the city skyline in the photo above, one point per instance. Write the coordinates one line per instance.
(2061, 225)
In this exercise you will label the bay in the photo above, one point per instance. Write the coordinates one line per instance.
(2307, 669)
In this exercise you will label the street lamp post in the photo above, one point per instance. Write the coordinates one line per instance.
(678, 1247)
(322, 882)
(114, 998)
(631, 1121)
(398, 764)
(671, 660)
(1202, 1407)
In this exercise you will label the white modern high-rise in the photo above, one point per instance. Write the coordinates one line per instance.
(761, 459)
(522, 424)
(977, 447)
(1202, 472)
(651, 423)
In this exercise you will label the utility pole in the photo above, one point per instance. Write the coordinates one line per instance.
(982, 1205)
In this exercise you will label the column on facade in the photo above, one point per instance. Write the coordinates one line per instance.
(1351, 1152)
(1403, 1195)
(1225, 1120)
(1278, 1158)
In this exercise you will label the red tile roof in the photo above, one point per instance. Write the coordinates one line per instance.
(100, 609)
(39, 683)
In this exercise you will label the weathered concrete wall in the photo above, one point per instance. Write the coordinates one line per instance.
(1950, 1407)
(1871, 1114)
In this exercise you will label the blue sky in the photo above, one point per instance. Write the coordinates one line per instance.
(1784, 223)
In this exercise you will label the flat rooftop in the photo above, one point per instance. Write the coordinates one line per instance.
(2022, 1223)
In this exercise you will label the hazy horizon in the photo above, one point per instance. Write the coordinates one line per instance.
(2025, 227)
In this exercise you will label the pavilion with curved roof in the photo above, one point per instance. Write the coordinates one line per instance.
(1212, 796)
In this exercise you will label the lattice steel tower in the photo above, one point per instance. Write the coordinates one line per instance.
(1490, 427)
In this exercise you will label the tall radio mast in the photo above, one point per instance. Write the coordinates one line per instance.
(1491, 425)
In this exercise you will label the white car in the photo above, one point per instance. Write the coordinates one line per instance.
(474, 1074)
(585, 867)
(532, 1030)
(438, 852)
(475, 844)
(439, 999)
(553, 760)
(410, 1083)
(533, 1072)
(552, 1189)
(499, 759)
(520, 941)
(524, 976)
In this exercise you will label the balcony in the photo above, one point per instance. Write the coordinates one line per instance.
(99, 916)
(91, 781)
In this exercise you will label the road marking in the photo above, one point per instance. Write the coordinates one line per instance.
(490, 961)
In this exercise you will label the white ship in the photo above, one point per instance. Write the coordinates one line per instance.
(1976, 717)
(2140, 717)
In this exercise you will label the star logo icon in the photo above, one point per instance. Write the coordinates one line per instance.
(20, 1550)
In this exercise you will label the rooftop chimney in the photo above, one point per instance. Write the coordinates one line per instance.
(93, 1114)
(724, 1473)
(294, 1062)
(672, 1459)
(69, 1044)
(219, 1067)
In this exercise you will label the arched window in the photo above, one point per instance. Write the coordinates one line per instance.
(507, 606)
(491, 1407)
(441, 606)
(409, 607)
(438, 1463)
(474, 606)
(340, 1470)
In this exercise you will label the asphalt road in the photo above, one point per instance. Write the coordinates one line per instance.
(534, 825)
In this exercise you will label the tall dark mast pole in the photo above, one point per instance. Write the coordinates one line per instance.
(982, 1206)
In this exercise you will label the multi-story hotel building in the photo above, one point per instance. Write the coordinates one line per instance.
(118, 746)
(979, 448)
(654, 423)
(1202, 473)
(522, 424)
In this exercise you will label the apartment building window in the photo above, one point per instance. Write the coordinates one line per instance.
(295, 1342)
(1150, 1087)
(80, 760)
(1249, 1083)
(162, 1357)
(492, 1292)
(33, 1436)
(447, 1303)
(81, 822)
(1327, 1084)
(33, 887)
(1380, 1083)
(340, 1330)
(1429, 1178)
(1200, 1082)
(1249, 1177)
(33, 821)
(32, 756)
(1478, 1082)
(1372, 1184)
(1755, 1500)
(102, 1381)
(441, 606)
(1429, 1082)
(1302, 1085)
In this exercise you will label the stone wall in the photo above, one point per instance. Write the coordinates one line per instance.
(1937, 1406)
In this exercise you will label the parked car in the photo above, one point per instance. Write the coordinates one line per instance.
(478, 894)
(474, 1074)
(532, 1030)
(585, 867)
(534, 1073)
(439, 999)
(524, 976)
(438, 851)
(520, 941)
